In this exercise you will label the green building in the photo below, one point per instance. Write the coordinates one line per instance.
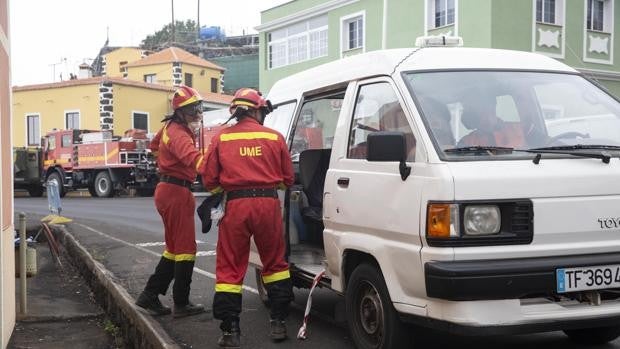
(301, 34)
(241, 71)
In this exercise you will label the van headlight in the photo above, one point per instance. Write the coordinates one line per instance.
(481, 220)
(479, 223)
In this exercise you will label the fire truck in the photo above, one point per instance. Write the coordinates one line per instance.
(98, 161)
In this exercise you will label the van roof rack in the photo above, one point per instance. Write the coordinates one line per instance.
(439, 41)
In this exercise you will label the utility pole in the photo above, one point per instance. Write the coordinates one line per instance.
(173, 38)
(198, 22)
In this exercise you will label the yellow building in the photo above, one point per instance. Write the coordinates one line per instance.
(7, 261)
(95, 103)
(113, 63)
(173, 67)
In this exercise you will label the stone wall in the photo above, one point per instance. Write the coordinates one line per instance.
(106, 105)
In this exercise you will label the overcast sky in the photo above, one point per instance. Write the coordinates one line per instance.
(50, 37)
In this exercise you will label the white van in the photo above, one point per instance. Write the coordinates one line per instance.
(471, 190)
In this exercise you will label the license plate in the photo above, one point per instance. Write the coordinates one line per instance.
(587, 278)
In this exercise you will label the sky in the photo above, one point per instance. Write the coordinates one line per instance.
(53, 37)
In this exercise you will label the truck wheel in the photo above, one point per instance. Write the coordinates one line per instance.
(262, 290)
(36, 191)
(594, 336)
(371, 317)
(103, 185)
(55, 176)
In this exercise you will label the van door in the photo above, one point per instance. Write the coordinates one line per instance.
(368, 208)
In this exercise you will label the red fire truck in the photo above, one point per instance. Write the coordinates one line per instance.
(98, 161)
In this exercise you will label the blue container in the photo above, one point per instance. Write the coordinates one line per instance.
(212, 33)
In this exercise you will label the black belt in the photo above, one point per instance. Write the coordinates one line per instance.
(177, 181)
(252, 193)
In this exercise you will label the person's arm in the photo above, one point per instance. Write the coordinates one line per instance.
(183, 147)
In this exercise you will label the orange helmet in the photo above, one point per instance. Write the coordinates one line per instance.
(185, 95)
(249, 98)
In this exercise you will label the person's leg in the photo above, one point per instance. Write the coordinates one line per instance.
(233, 249)
(159, 281)
(268, 236)
(185, 253)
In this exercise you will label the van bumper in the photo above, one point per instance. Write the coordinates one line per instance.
(501, 330)
(502, 278)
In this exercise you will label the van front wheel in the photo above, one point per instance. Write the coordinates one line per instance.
(372, 319)
(593, 336)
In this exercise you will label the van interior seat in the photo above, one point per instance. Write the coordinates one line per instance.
(313, 165)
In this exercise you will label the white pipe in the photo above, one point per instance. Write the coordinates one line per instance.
(384, 35)
(22, 263)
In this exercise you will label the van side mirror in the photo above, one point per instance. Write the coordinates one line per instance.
(389, 146)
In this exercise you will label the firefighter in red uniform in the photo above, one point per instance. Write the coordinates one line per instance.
(249, 162)
(178, 161)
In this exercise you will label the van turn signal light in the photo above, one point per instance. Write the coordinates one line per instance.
(439, 221)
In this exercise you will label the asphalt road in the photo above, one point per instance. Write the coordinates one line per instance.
(126, 234)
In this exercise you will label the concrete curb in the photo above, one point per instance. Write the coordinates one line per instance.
(140, 330)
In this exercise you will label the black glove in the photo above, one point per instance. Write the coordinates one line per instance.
(204, 210)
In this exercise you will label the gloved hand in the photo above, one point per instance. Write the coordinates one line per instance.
(204, 210)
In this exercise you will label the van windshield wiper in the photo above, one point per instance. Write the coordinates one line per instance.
(579, 147)
(493, 150)
(575, 150)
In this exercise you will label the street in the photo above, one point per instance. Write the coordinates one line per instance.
(125, 234)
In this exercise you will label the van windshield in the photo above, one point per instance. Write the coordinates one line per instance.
(510, 109)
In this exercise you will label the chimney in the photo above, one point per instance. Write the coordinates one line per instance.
(85, 71)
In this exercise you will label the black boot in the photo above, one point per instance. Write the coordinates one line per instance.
(187, 310)
(150, 302)
(231, 336)
(278, 330)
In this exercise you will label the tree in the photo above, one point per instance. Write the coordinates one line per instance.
(184, 32)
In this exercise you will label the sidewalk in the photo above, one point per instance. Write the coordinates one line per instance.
(61, 312)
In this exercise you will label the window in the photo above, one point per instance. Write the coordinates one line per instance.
(599, 15)
(150, 78)
(298, 42)
(214, 84)
(121, 66)
(189, 80)
(280, 118)
(65, 140)
(316, 124)
(377, 109)
(141, 121)
(51, 142)
(34, 131)
(353, 33)
(72, 120)
(443, 13)
(545, 11)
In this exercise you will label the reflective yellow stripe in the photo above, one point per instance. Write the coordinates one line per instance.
(216, 190)
(281, 275)
(189, 101)
(248, 135)
(113, 153)
(249, 104)
(185, 257)
(230, 288)
(168, 255)
(179, 257)
(199, 162)
(164, 135)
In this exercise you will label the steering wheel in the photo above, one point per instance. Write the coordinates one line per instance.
(567, 135)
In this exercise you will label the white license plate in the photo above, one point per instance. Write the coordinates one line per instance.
(587, 278)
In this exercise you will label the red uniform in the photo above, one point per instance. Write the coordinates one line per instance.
(177, 158)
(506, 134)
(244, 159)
